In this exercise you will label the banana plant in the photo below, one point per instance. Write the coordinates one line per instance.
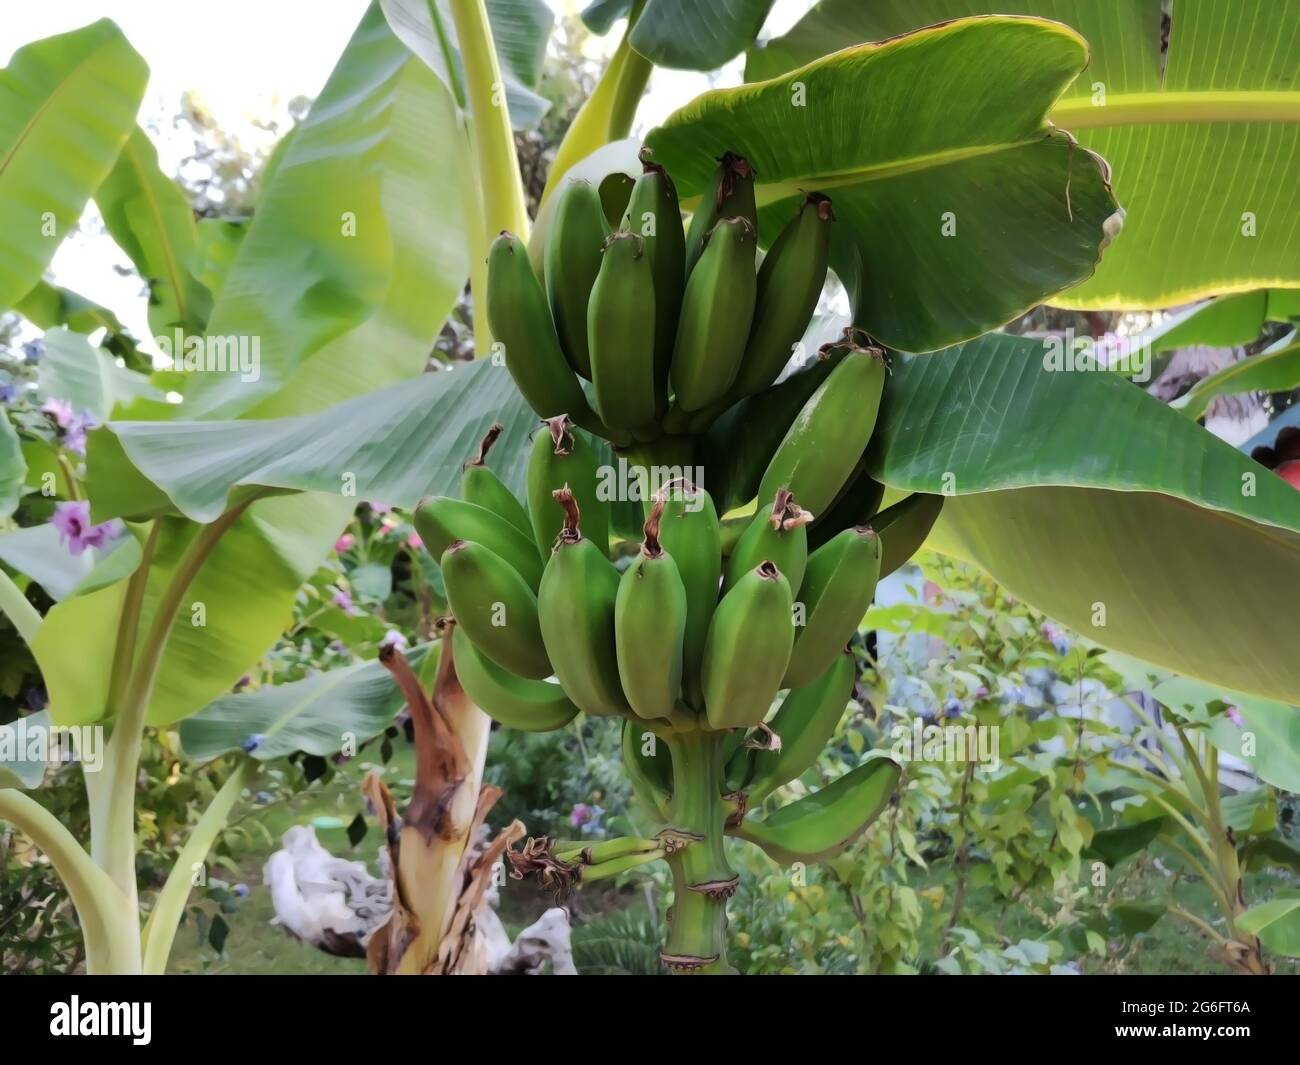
(177, 601)
(1069, 488)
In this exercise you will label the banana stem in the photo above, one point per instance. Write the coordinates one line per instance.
(702, 879)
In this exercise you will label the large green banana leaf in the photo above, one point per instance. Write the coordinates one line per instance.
(67, 105)
(396, 445)
(150, 219)
(520, 30)
(315, 714)
(74, 370)
(958, 206)
(47, 306)
(685, 34)
(1101, 506)
(335, 314)
(357, 250)
(13, 467)
(1203, 140)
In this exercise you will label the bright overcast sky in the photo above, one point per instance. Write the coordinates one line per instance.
(246, 59)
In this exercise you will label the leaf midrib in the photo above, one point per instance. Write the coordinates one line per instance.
(1169, 106)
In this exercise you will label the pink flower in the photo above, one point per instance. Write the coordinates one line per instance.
(74, 435)
(931, 593)
(414, 542)
(60, 410)
(344, 542)
(393, 638)
(343, 601)
(1234, 715)
(73, 522)
(380, 508)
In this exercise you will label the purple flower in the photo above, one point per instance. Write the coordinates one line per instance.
(582, 813)
(240, 890)
(60, 410)
(1234, 715)
(253, 742)
(393, 638)
(74, 434)
(980, 693)
(343, 601)
(8, 393)
(1057, 638)
(72, 519)
(33, 350)
(380, 508)
(952, 707)
(263, 797)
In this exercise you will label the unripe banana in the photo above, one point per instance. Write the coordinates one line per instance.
(516, 702)
(837, 589)
(442, 520)
(649, 626)
(561, 457)
(496, 608)
(520, 320)
(741, 443)
(825, 441)
(747, 649)
(730, 195)
(903, 528)
(621, 329)
(576, 603)
(572, 260)
(717, 308)
(822, 824)
(779, 534)
(691, 534)
(804, 723)
(655, 215)
(857, 505)
(481, 486)
(789, 284)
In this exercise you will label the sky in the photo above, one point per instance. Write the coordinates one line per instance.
(246, 60)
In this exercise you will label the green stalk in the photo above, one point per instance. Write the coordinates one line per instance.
(160, 930)
(608, 112)
(702, 879)
(14, 605)
(112, 791)
(492, 136)
(108, 919)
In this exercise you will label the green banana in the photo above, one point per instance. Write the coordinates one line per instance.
(621, 328)
(654, 213)
(442, 520)
(789, 284)
(561, 457)
(516, 702)
(857, 505)
(589, 852)
(779, 534)
(805, 722)
(572, 261)
(747, 648)
(837, 588)
(729, 195)
(649, 626)
(651, 775)
(822, 824)
(496, 608)
(690, 533)
(717, 308)
(576, 605)
(481, 486)
(830, 433)
(520, 320)
(740, 444)
(903, 528)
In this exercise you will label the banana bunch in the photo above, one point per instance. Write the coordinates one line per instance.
(720, 634)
